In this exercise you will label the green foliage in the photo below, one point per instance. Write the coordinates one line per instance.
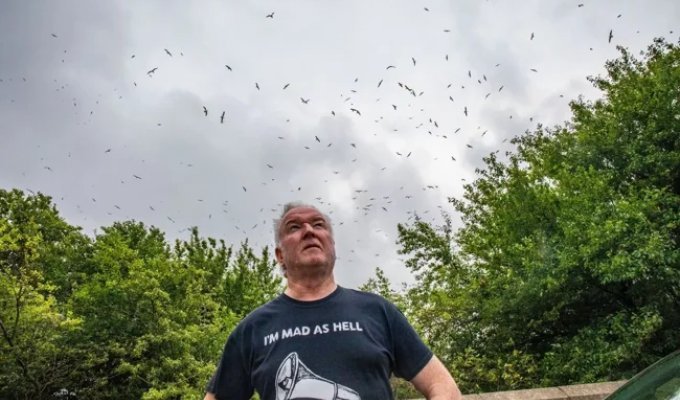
(567, 266)
(122, 316)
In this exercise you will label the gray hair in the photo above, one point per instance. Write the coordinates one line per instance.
(290, 206)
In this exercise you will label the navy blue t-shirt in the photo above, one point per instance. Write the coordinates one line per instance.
(344, 346)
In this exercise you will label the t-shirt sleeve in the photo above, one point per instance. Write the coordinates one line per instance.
(410, 353)
(231, 381)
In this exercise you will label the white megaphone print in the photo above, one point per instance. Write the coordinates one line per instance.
(295, 381)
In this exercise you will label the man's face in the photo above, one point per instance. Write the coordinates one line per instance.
(305, 241)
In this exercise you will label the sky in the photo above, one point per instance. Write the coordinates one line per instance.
(216, 113)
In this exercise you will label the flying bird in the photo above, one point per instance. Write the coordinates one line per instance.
(270, 15)
(611, 35)
(222, 117)
(168, 52)
(107, 151)
(465, 111)
(390, 66)
(228, 67)
(532, 36)
(151, 71)
(53, 35)
(414, 61)
(305, 101)
(244, 188)
(257, 86)
(317, 139)
(533, 70)
(205, 111)
(137, 176)
(286, 86)
(380, 83)
(355, 110)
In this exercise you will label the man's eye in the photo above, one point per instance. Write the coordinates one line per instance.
(319, 225)
(293, 227)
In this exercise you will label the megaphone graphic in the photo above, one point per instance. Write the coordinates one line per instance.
(295, 381)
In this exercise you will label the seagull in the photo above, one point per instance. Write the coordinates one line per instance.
(257, 86)
(465, 111)
(611, 35)
(151, 71)
(222, 117)
(286, 86)
(317, 139)
(380, 83)
(107, 151)
(168, 52)
(390, 66)
(136, 176)
(53, 35)
(305, 101)
(355, 110)
(228, 67)
(244, 188)
(270, 15)
(533, 70)
(414, 61)
(205, 111)
(532, 36)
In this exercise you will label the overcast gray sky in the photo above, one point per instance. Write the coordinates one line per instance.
(83, 119)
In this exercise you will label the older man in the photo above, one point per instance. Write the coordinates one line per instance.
(318, 340)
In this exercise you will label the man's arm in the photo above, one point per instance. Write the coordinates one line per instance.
(435, 382)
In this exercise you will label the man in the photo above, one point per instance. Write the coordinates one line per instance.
(321, 341)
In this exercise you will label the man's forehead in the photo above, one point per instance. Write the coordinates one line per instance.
(302, 212)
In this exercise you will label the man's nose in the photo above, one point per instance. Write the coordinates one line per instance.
(307, 228)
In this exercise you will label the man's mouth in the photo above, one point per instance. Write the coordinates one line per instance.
(311, 246)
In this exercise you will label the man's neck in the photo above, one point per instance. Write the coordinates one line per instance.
(310, 290)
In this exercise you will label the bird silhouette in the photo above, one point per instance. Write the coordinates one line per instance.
(611, 35)
(305, 101)
(390, 66)
(270, 15)
(380, 83)
(355, 110)
(286, 86)
(151, 71)
(205, 111)
(228, 67)
(222, 117)
(414, 61)
(257, 86)
(168, 52)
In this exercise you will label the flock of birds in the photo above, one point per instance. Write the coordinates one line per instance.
(403, 112)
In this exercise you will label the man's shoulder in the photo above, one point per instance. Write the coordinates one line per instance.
(263, 311)
(367, 298)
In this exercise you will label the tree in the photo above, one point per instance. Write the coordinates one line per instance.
(567, 265)
(37, 360)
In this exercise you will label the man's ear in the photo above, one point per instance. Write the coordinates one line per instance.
(279, 255)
